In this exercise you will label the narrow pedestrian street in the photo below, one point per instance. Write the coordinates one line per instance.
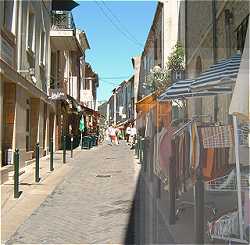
(124, 122)
(91, 205)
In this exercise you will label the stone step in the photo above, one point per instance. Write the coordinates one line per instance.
(11, 174)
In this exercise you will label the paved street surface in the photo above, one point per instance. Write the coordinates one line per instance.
(91, 205)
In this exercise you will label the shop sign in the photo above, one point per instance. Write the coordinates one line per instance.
(57, 94)
(7, 52)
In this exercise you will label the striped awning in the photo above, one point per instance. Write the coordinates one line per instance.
(178, 90)
(182, 90)
(223, 72)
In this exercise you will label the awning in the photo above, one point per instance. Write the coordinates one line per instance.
(73, 103)
(145, 103)
(177, 90)
(223, 72)
(182, 90)
(240, 99)
(66, 5)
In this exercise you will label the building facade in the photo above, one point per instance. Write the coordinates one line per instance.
(90, 85)
(219, 33)
(25, 50)
(162, 38)
(41, 78)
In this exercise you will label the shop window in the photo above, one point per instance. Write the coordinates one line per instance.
(241, 34)
(8, 8)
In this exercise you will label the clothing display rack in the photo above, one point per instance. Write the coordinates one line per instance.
(222, 137)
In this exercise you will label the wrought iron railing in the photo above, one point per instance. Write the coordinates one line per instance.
(62, 20)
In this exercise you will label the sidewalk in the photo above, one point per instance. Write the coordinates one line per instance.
(15, 211)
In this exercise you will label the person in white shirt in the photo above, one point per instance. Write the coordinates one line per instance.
(128, 132)
(113, 134)
(132, 136)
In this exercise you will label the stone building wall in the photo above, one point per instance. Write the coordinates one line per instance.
(200, 43)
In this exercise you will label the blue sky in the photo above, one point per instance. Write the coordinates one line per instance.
(111, 51)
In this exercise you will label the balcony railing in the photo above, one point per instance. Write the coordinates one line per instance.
(62, 20)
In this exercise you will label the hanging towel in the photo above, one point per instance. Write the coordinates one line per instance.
(217, 137)
(195, 147)
(208, 168)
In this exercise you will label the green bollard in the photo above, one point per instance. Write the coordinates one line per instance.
(141, 151)
(138, 147)
(37, 178)
(81, 141)
(71, 147)
(64, 149)
(16, 174)
(51, 154)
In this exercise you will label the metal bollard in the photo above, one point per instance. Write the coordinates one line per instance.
(37, 178)
(141, 151)
(199, 208)
(81, 141)
(138, 147)
(64, 149)
(16, 174)
(51, 154)
(71, 147)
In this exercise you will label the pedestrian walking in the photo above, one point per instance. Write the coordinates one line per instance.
(128, 132)
(133, 136)
(108, 135)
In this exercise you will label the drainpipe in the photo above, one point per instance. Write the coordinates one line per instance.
(185, 39)
(19, 36)
(215, 53)
(186, 53)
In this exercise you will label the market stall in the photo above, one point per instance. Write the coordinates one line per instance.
(201, 157)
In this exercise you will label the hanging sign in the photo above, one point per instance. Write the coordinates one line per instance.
(57, 94)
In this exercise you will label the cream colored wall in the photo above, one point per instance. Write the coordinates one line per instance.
(19, 139)
(42, 22)
(170, 26)
(1, 117)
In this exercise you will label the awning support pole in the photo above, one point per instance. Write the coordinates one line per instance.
(238, 176)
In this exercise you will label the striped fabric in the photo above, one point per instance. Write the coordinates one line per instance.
(178, 90)
(182, 90)
(226, 69)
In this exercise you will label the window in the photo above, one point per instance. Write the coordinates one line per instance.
(8, 14)
(241, 34)
(31, 32)
(42, 48)
(155, 49)
(87, 85)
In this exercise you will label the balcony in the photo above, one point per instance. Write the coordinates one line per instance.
(62, 20)
(63, 31)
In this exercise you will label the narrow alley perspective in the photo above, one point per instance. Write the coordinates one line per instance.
(124, 122)
(92, 203)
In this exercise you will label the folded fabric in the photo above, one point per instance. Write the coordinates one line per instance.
(217, 137)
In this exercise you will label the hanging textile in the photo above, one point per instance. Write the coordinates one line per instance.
(217, 137)
(194, 146)
(165, 147)
(208, 164)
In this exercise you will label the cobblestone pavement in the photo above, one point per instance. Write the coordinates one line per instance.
(91, 205)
